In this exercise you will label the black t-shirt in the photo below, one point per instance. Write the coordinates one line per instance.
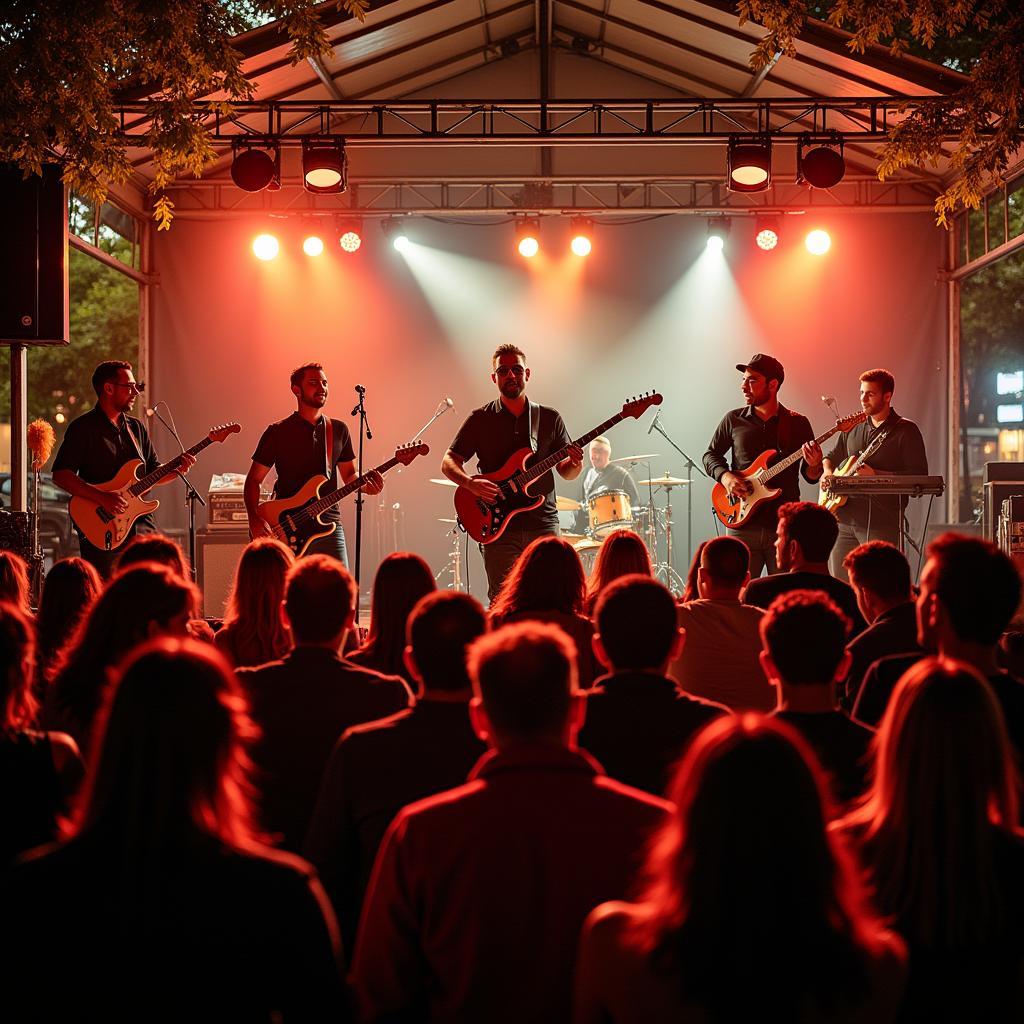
(295, 448)
(841, 745)
(761, 592)
(611, 478)
(492, 434)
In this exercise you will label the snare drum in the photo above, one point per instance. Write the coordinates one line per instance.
(587, 550)
(609, 511)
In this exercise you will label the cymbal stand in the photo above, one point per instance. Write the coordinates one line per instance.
(454, 565)
(665, 571)
(691, 466)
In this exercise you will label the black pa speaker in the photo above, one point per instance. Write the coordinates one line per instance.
(34, 257)
(217, 555)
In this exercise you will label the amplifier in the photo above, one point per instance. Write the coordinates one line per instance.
(1011, 527)
(226, 502)
(217, 555)
(16, 532)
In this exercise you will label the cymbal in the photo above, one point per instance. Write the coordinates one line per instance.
(447, 520)
(664, 481)
(566, 504)
(444, 482)
(636, 458)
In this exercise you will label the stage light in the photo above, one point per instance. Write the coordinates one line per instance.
(253, 170)
(581, 228)
(324, 167)
(313, 245)
(393, 229)
(527, 236)
(818, 242)
(265, 247)
(750, 164)
(766, 233)
(718, 230)
(350, 236)
(820, 163)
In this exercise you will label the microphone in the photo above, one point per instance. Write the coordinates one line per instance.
(828, 399)
(654, 422)
(150, 413)
(449, 403)
(361, 389)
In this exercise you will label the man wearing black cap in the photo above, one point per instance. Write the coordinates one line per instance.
(762, 424)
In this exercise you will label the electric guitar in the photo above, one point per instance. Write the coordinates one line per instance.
(852, 466)
(486, 523)
(296, 520)
(106, 530)
(735, 512)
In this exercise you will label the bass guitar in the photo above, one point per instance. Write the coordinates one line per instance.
(296, 520)
(486, 523)
(106, 530)
(852, 466)
(733, 511)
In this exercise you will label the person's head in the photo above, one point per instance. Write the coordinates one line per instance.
(880, 576)
(876, 388)
(547, 576)
(762, 377)
(401, 580)
(624, 553)
(319, 601)
(170, 759)
(254, 607)
(805, 534)
(153, 547)
(509, 370)
(804, 640)
(17, 669)
(441, 627)
(309, 385)
(600, 452)
(69, 590)
(524, 686)
(691, 591)
(637, 626)
(115, 385)
(724, 568)
(14, 585)
(969, 592)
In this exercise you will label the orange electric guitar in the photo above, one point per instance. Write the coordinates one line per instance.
(486, 523)
(735, 512)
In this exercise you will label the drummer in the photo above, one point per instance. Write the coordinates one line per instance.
(604, 475)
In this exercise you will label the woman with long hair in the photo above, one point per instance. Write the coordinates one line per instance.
(690, 591)
(69, 590)
(169, 907)
(254, 632)
(39, 771)
(623, 554)
(750, 909)
(143, 602)
(938, 836)
(14, 583)
(401, 580)
(547, 584)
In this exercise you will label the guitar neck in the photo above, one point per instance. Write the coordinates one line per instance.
(327, 501)
(796, 456)
(556, 457)
(152, 479)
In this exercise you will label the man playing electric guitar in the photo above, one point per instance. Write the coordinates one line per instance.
(297, 447)
(98, 443)
(762, 425)
(493, 433)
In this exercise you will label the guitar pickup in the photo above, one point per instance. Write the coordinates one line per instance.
(104, 515)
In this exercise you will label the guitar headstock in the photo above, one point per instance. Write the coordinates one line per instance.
(847, 423)
(224, 431)
(405, 453)
(636, 407)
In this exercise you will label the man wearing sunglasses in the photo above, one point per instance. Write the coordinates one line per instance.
(493, 433)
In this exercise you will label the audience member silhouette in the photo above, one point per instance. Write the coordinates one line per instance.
(14, 583)
(804, 655)
(750, 910)
(163, 905)
(691, 591)
(69, 590)
(157, 548)
(622, 554)
(805, 535)
(478, 893)
(638, 722)
(720, 660)
(380, 767)
(401, 580)
(254, 631)
(937, 836)
(140, 603)
(39, 771)
(880, 576)
(305, 701)
(546, 584)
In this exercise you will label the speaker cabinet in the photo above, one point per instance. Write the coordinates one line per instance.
(217, 555)
(34, 257)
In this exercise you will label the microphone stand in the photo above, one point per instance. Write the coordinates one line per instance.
(364, 429)
(442, 407)
(691, 466)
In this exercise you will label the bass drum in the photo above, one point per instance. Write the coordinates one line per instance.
(609, 511)
(587, 550)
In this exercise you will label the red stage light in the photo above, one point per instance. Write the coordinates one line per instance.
(581, 228)
(350, 241)
(766, 233)
(313, 245)
(265, 247)
(818, 242)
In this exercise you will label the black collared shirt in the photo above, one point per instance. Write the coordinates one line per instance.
(492, 434)
(295, 448)
(611, 478)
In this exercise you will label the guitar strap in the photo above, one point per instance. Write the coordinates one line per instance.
(135, 440)
(328, 445)
(534, 424)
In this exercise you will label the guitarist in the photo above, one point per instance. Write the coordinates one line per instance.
(297, 448)
(762, 424)
(875, 516)
(493, 433)
(98, 443)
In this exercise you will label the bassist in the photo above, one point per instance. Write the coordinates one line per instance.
(762, 424)
(494, 432)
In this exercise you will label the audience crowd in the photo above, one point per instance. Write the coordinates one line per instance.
(789, 799)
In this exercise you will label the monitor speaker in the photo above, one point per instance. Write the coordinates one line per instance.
(217, 555)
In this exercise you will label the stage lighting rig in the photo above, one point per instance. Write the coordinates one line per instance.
(819, 161)
(766, 233)
(528, 236)
(582, 229)
(265, 247)
(324, 166)
(718, 231)
(818, 242)
(394, 230)
(750, 164)
(350, 235)
(254, 168)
